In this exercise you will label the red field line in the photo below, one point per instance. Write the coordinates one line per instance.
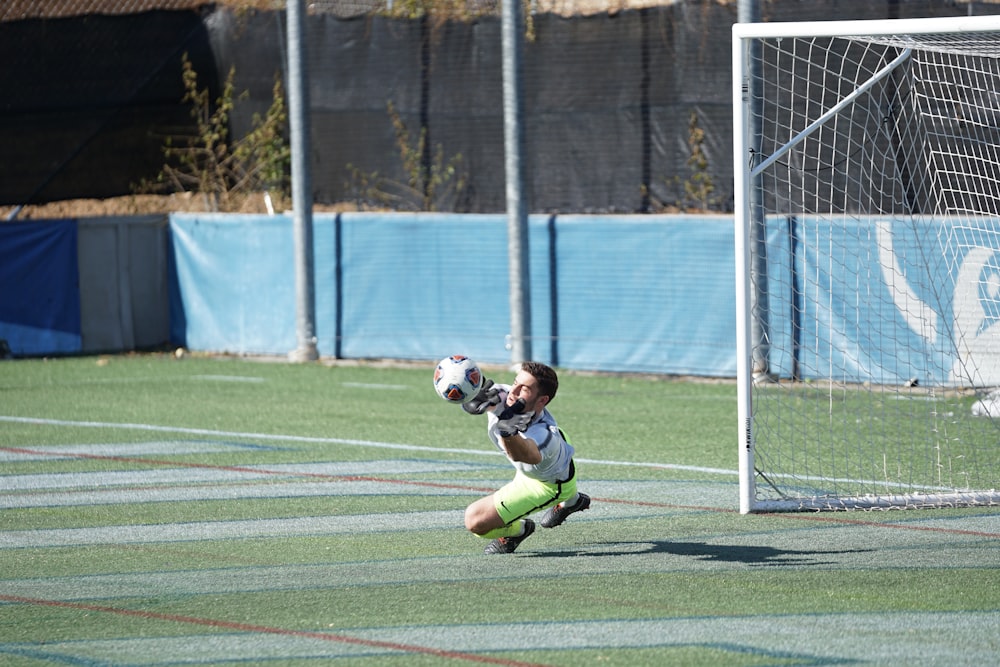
(265, 629)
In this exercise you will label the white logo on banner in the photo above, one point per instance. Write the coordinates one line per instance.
(975, 310)
(977, 289)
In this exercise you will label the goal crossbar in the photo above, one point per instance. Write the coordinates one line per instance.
(867, 28)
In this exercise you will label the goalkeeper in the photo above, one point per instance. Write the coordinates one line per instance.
(520, 425)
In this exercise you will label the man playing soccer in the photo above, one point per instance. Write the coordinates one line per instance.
(519, 424)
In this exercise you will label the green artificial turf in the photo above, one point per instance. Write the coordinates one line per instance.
(228, 511)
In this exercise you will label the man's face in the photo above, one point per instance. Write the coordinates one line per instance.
(525, 387)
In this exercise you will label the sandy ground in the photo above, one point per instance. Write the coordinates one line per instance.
(146, 204)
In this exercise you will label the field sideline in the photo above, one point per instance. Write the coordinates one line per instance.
(202, 511)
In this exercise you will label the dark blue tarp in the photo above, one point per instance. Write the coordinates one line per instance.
(39, 287)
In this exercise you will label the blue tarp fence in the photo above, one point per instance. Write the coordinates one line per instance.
(649, 294)
(628, 293)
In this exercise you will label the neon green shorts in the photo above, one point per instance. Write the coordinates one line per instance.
(523, 496)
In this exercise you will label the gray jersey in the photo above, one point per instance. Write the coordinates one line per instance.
(556, 452)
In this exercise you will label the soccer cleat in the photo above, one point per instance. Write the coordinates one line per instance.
(556, 515)
(506, 545)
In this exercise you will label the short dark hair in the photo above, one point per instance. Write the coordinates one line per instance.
(548, 381)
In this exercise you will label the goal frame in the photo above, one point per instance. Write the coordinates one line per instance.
(748, 207)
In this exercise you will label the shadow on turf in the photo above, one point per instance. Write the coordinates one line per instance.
(750, 555)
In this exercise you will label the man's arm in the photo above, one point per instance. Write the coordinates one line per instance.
(510, 427)
(521, 449)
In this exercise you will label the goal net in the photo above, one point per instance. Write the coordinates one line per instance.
(867, 168)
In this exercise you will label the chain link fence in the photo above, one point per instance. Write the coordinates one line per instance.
(14, 10)
(627, 102)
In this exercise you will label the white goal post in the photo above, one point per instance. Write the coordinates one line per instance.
(867, 219)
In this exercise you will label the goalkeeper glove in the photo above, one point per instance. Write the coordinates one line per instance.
(512, 420)
(487, 397)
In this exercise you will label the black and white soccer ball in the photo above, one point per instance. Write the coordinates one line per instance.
(457, 379)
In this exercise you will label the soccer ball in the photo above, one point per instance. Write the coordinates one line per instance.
(457, 379)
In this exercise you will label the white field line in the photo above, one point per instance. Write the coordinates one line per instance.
(200, 490)
(172, 447)
(230, 378)
(341, 478)
(370, 385)
(420, 448)
(331, 441)
(222, 474)
(199, 531)
(144, 380)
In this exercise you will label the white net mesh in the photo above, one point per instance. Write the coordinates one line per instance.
(879, 308)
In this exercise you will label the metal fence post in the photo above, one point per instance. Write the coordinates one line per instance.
(512, 32)
(298, 116)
